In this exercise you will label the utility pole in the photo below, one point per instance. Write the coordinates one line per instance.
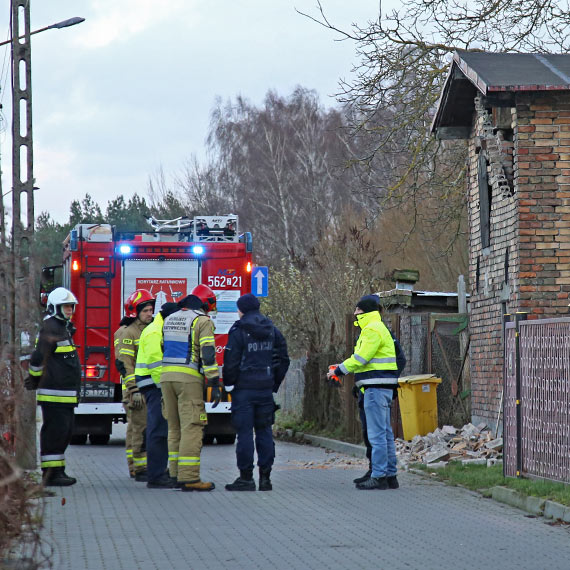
(22, 285)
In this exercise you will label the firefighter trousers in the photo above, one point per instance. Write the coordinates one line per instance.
(137, 426)
(128, 439)
(186, 416)
(55, 433)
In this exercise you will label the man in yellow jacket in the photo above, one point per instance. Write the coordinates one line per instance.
(375, 369)
(147, 376)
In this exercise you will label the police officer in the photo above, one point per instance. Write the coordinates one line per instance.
(140, 307)
(55, 372)
(189, 357)
(255, 364)
(147, 375)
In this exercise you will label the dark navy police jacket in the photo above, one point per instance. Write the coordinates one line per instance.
(255, 357)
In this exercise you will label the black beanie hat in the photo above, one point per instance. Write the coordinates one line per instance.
(369, 303)
(190, 302)
(248, 302)
(168, 309)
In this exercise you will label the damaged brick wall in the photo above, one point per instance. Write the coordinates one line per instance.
(519, 236)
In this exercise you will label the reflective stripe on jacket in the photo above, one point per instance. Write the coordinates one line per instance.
(374, 359)
(128, 348)
(149, 357)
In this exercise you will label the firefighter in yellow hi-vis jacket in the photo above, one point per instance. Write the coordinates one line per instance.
(139, 307)
(189, 356)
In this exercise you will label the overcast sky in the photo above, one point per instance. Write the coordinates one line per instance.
(131, 88)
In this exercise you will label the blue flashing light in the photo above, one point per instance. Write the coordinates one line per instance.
(198, 249)
(124, 249)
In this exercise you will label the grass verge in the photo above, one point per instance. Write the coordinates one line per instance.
(482, 478)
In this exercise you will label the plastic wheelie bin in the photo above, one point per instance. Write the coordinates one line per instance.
(417, 396)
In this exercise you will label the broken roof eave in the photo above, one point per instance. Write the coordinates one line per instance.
(461, 131)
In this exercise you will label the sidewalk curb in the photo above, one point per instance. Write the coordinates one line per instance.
(535, 505)
(335, 445)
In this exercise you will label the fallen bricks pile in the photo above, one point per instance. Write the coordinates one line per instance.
(470, 444)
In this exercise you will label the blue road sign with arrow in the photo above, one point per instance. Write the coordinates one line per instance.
(259, 281)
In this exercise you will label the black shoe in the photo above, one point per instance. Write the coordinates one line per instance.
(58, 478)
(374, 483)
(264, 479)
(162, 483)
(365, 477)
(140, 476)
(393, 482)
(241, 485)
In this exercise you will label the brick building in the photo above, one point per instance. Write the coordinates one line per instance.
(514, 110)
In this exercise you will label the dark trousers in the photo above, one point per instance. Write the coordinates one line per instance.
(253, 411)
(55, 434)
(364, 428)
(156, 435)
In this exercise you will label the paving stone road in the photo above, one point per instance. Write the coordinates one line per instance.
(313, 519)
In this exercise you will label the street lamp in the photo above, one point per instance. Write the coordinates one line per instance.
(58, 26)
(22, 283)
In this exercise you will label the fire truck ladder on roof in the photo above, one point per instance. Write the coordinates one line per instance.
(97, 308)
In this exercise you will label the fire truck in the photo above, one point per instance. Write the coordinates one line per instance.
(103, 267)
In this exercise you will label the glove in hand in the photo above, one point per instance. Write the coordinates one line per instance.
(136, 401)
(31, 383)
(216, 395)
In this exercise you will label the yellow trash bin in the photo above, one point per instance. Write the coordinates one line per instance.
(417, 396)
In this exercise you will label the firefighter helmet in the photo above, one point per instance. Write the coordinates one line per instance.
(206, 295)
(58, 297)
(136, 301)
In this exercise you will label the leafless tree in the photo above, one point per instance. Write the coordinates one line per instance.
(404, 57)
(283, 165)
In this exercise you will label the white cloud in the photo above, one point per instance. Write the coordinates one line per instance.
(114, 21)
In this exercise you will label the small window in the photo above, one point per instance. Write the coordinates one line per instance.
(485, 200)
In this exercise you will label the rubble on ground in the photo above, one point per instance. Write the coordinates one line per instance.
(470, 445)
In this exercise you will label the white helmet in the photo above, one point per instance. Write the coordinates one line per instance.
(58, 297)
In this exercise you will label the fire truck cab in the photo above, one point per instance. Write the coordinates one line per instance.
(103, 267)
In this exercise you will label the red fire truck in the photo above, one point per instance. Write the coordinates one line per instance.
(103, 267)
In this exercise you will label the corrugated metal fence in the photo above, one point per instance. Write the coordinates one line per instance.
(536, 408)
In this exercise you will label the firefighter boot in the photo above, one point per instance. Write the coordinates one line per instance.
(140, 476)
(56, 477)
(196, 486)
(244, 482)
(264, 480)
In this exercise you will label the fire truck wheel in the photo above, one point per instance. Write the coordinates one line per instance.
(99, 438)
(226, 439)
(208, 439)
(80, 439)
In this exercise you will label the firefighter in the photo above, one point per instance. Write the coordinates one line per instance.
(55, 372)
(140, 307)
(147, 375)
(189, 356)
(255, 364)
(375, 368)
(117, 337)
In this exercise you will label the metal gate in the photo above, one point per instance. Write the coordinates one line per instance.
(536, 406)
